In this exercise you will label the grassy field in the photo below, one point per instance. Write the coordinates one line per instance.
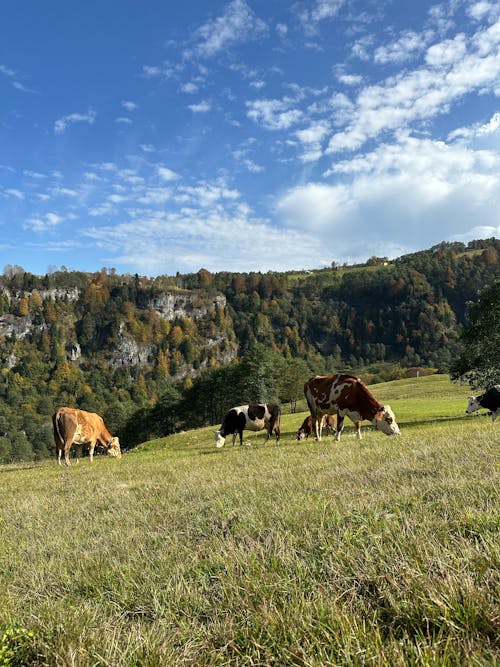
(379, 552)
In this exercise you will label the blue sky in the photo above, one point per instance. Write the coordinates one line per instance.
(245, 135)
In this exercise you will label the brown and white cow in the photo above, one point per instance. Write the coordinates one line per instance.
(347, 395)
(252, 417)
(72, 426)
(328, 422)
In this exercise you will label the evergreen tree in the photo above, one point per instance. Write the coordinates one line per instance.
(479, 364)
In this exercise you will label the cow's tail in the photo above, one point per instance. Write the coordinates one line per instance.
(58, 439)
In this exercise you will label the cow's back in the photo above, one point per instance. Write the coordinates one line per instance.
(328, 393)
(79, 426)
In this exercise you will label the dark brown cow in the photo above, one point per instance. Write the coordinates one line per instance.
(328, 422)
(72, 426)
(346, 395)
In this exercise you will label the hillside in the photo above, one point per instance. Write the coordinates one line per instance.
(139, 350)
(383, 552)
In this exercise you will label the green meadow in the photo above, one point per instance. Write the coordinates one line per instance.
(383, 551)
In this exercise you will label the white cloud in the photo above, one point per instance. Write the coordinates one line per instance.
(282, 30)
(398, 198)
(14, 192)
(311, 138)
(190, 88)
(483, 9)
(203, 238)
(14, 79)
(123, 120)
(478, 130)
(166, 174)
(45, 222)
(7, 71)
(129, 105)
(273, 114)
(421, 94)
(321, 10)
(61, 125)
(33, 174)
(350, 79)
(408, 45)
(447, 52)
(236, 24)
(201, 107)
(59, 191)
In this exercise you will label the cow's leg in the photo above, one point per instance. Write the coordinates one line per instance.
(317, 426)
(59, 454)
(91, 451)
(321, 424)
(241, 436)
(234, 438)
(67, 449)
(494, 414)
(340, 426)
(78, 453)
(358, 430)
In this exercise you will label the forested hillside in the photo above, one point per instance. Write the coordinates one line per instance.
(154, 355)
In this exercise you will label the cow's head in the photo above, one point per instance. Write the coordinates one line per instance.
(473, 405)
(113, 448)
(219, 439)
(301, 434)
(385, 421)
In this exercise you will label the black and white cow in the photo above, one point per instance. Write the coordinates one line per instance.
(490, 400)
(251, 417)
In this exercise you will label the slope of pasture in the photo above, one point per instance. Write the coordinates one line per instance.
(380, 552)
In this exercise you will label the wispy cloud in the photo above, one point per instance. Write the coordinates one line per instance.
(320, 10)
(273, 114)
(236, 24)
(167, 174)
(201, 107)
(406, 47)
(15, 79)
(45, 222)
(61, 125)
(129, 105)
(454, 68)
(14, 192)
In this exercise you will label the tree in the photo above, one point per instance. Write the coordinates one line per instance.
(292, 388)
(479, 364)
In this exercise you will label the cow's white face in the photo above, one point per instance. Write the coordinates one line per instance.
(114, 449)
(385, 421)
(301, 435)
(219, 439)
(473, 405)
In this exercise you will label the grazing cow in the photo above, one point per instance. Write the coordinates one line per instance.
(347, 395)
(328, 422)
(490, 400)
(72, 426)
(252, 417)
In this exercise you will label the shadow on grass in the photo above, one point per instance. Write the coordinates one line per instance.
(440, 420)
